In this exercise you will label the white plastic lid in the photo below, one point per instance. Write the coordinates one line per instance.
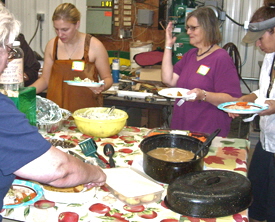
(16, 43)
(115, 66)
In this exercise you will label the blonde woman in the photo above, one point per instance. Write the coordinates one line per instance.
(73, 54)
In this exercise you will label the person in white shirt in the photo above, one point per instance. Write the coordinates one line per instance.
(262, 167)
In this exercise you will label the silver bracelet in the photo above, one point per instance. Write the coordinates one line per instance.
(168, 47)
(204, 98)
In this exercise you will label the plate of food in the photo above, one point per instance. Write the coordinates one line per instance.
(74, 194)
(242, 107)
(22, 193)
(84, 83)
(174, 93)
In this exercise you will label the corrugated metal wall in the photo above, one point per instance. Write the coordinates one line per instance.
(26, 10)
(238, 10)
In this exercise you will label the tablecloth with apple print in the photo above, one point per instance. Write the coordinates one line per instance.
(224, 153)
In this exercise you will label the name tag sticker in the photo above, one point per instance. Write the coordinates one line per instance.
(78, 65)
(203, 70)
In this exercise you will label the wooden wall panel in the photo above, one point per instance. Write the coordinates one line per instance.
(138, 32)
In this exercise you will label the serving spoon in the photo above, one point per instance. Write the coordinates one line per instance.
(206, 143)
(109, 151)
(249, 119)
(109, 111)
(86, 188)
(83, 190)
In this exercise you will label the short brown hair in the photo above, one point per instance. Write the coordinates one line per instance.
(67, 12)
(209, 22)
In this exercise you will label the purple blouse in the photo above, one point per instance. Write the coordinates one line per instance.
(214, 73)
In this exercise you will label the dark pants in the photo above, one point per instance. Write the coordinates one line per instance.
(262, 176)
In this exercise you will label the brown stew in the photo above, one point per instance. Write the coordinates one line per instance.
(171, 154)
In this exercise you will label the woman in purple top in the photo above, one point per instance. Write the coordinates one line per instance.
(207, 70)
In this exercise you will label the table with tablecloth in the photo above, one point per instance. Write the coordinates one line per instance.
(224, 153)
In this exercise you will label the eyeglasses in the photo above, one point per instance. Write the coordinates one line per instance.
(192, 28)
(11, 51)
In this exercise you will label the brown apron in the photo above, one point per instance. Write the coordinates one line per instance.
(73, 97)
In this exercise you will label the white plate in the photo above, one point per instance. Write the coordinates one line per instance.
(84, 84)
(255, 108)
(172, 93)
(63, 197)
(26, 185)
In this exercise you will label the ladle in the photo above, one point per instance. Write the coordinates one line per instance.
(109, 151)
(207, 142)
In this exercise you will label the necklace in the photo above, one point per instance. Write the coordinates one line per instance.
(205, 51)
(70, 55)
